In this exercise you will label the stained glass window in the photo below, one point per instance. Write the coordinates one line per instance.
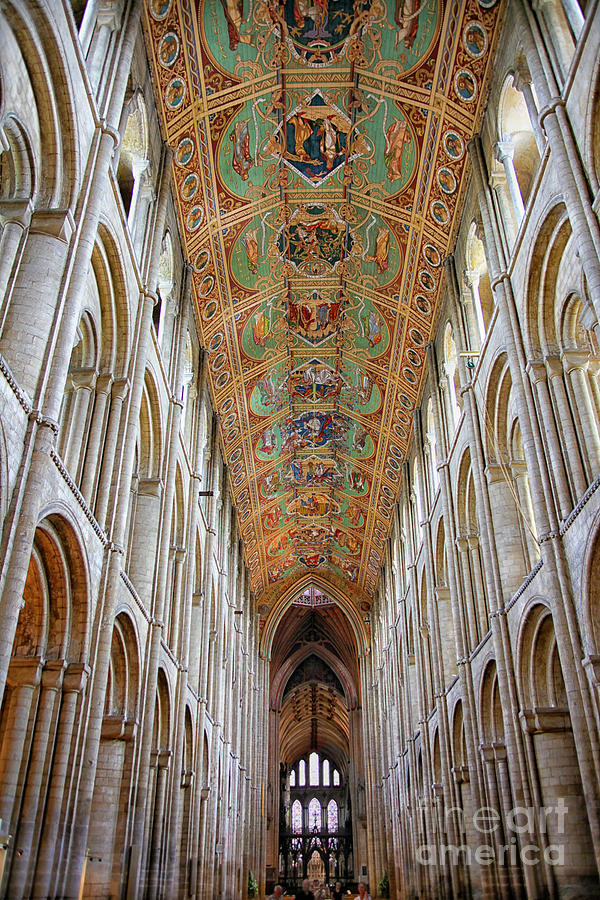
(297, 817)
(293, 778)
(313, 769)
(326, 773)
(336, 778)
(301, 773)
(314, 814)
(332, 816)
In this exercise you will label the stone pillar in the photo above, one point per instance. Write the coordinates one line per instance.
(90, 464)
(504, 154)
(473, 308)
(73, 685)
(538, 374)
(576, 368)
(156, 855)
(15, 216)
(24, 856)
(522, 83)
(24, 676)
(110, 458)
(83, 382)
(572, 453)
(32, 313)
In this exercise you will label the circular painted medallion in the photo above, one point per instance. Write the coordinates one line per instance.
(446, 180)
(185, 151)
(465, 85)
(475, 39)
(439, 212)
(168, 49)
(453, 145)
(189, 187)
(175, 93)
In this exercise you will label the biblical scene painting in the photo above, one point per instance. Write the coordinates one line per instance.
(319, 160)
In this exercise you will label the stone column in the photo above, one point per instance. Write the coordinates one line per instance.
(83, 382)
(572, 453)
(33, 312)
(474, 311)
(74, 682)
(507, 212)
(522, 83)
(24, 857)
(576, 369)
(538, 374)
(90, 464)
(156, 855)
(15, 216)
(504, 154)
(24, 676)
(119, 391)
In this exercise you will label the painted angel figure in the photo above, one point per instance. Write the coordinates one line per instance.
(382, 245)
(242, 160)
(406, 18)
(396, 139)
(234, 16)
(250, 242)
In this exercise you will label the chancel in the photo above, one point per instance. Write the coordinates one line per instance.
(299, 449)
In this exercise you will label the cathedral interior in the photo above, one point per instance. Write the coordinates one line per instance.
(300, 448)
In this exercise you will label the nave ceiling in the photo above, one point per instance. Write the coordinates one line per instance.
(319, 165)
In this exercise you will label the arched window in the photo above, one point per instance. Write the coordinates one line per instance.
(332, 816)
(336, 778)
(313, 769)
(326, 773)
(432, 446)
(314, 814)
(301, 773)
(163, 322)
(478, 299)
(451, 373)
(517, 153)
(297, 817)
(133, 169)
(417, 493)
(293, 778)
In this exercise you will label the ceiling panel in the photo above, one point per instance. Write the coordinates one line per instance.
(319, 163)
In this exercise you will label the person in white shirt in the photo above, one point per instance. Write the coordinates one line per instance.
(363, 894)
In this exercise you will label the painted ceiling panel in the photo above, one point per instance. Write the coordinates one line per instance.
(319, 161)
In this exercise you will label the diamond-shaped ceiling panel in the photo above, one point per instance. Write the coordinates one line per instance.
(319, 160)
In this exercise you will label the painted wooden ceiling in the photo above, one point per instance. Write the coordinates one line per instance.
(319, 163)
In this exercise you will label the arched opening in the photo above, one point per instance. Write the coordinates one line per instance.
(116, 761)
(546, 722)
(313, 762)
(451, 383)
(517, 155)
(478, 295)
(46, 684)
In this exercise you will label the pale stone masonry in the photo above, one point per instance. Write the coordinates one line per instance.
(138, 752)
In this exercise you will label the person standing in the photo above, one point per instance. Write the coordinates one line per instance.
(337, 892)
